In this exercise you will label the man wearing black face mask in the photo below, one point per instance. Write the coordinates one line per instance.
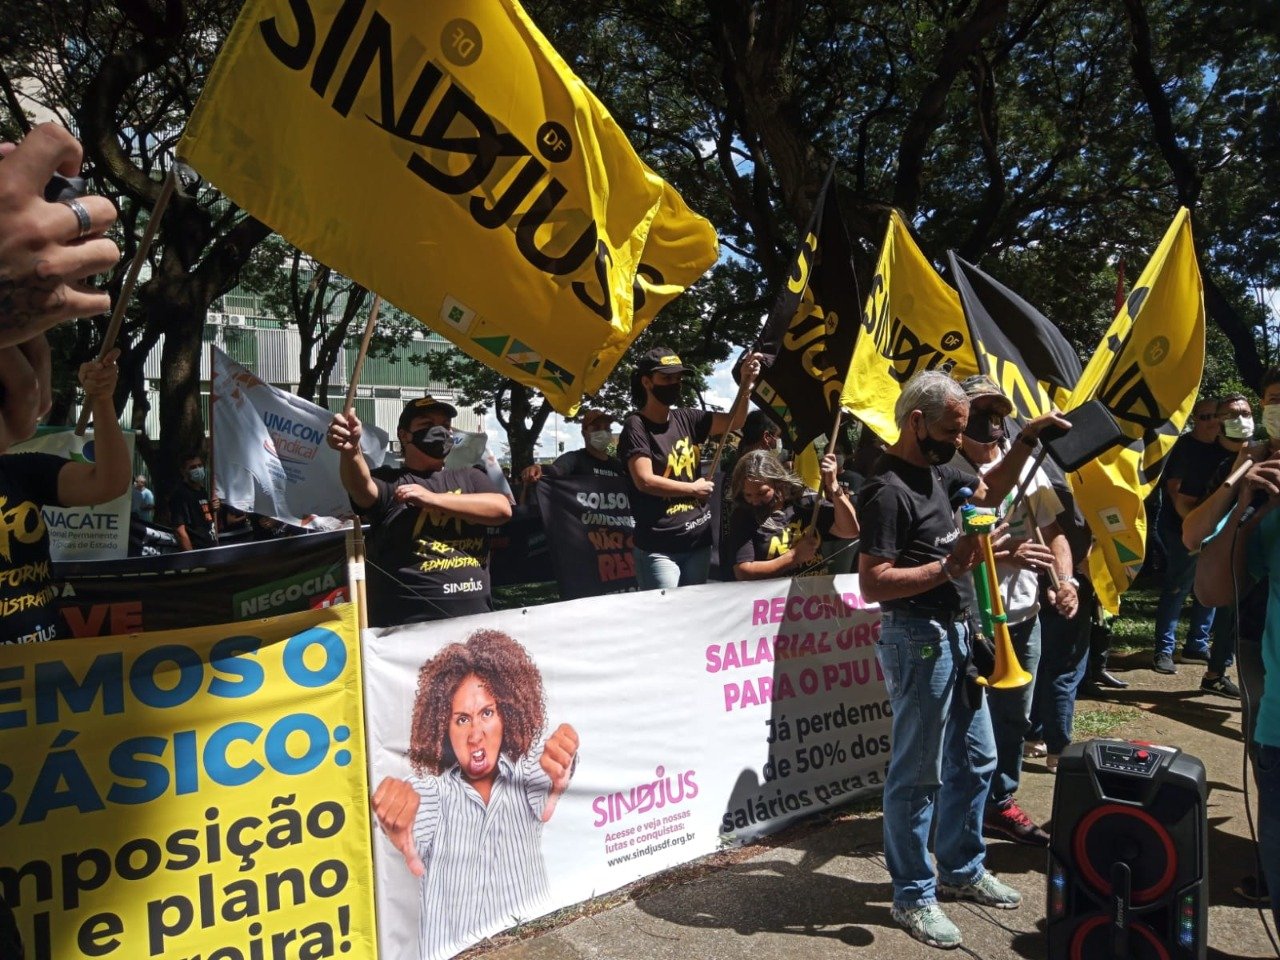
(1020, 559)
(944, 753)
(429, 546)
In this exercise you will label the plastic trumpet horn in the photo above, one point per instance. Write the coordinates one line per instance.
(1008, 673)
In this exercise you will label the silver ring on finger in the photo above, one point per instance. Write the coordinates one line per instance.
(82, 216)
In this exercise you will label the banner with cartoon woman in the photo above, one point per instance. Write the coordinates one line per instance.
(528, 759)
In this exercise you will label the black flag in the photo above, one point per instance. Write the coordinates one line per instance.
(1016, 345)
(808, 339)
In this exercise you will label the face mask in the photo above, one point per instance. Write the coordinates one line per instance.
(934, 450)
(984, 428)
(433, 441)
(1271, 420)
(196, 474)
(1238, 428)
(667, 394)
(599, 440)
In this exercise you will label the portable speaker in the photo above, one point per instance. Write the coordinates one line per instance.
(1127, 854)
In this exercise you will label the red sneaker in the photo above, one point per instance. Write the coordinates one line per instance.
(1011, 823)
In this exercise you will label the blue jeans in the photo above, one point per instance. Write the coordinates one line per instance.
(667, 571)
(1267, 770)
(942, 760)
(1011, 713)
(1222, 648)
(1179, 575)
(1064, 659)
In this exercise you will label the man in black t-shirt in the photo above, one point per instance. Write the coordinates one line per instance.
(661, 448)
(592, 460)
(429, 546)
(1195, 457)
(191, 513)
(943, 752)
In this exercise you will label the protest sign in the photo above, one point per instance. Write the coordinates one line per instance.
(202, 587)
(81, 533)
(269, 453)
(589, 524)
(202, 794)
(701, 716)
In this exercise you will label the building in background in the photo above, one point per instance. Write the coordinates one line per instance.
(241, 328)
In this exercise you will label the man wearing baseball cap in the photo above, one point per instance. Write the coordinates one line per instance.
(1020, 560)
(593, 459)
(429, 545)
(661, 448)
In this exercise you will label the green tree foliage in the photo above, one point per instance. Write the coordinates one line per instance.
(1045, 140)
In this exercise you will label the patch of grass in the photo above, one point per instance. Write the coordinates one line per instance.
(519, 595)
(1101, 723)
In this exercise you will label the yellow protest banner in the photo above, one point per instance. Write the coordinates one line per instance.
(197, 793)
(1147, 372)
(445, 156)
(912, 322)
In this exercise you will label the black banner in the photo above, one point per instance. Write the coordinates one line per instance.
(808, 339)
(589, 533)
(100, 598)
(518, 549)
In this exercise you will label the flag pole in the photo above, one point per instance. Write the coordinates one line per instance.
(831, 442)
(355, 537)
(131, 277)
(213, 473)
(744, 390)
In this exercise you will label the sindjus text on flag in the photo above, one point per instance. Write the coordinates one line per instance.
(490, 142)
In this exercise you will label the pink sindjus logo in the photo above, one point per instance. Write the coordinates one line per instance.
(666, 790)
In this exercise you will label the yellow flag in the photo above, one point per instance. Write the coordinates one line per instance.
(444, 155)
(912, 322)
(1147, 372)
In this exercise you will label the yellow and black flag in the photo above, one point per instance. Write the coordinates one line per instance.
(912, 322)
(1015, 344)
(444, 155)
(808, 339)
(1146, 372)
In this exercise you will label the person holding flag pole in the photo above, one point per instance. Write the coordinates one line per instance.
(661, 449)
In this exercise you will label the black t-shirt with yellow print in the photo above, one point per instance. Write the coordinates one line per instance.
(426, 564)
(668, 524)
(28, 608)
(753, 538)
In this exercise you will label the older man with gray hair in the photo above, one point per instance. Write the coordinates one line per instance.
(944, 752)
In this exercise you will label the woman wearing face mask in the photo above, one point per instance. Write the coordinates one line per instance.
(594, 459)
(429, 543)
(661, 448)
(769, 534)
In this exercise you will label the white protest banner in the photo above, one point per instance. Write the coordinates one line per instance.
(269, 453)
(82, 533)
(700, 716)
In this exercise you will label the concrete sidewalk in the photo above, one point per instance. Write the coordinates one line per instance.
(825, 889)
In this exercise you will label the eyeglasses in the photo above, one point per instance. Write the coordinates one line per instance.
(1206, 416)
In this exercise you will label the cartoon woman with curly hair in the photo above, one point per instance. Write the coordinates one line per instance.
(470, 822)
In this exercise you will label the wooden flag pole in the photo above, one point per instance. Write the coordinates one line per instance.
(831, 443)
(355, 537)
(744, 390)
(131, 278)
